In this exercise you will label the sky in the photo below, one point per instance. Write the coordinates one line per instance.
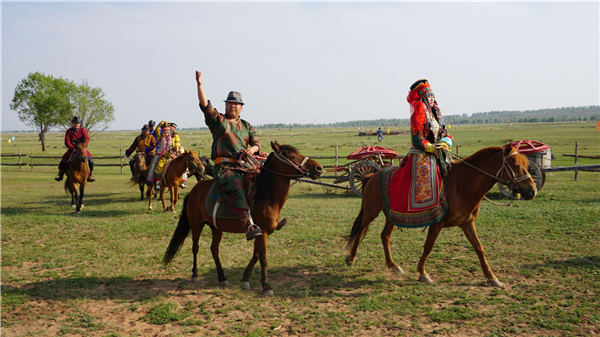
(306, 62)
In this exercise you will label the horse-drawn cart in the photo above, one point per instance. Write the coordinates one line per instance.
(366, 160)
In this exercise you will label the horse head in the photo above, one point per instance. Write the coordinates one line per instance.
(292, 164)
(193, 163)
(80, 151)
(141, 161)
(514, 172)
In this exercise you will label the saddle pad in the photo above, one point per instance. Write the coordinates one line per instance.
(211, 199)
(413, 195)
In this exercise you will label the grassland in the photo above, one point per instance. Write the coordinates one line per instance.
(99, 273)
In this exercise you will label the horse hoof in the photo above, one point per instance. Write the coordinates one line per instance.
(349, 260)
(495, 283)
(195, 279)
(82, 206)
(73, 206)
(77, 212)
(150, 208)
(396, 270)
(425, 279)
(245, 285)
(223, 284)
(269, 293)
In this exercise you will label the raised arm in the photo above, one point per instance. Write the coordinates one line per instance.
(201, 95)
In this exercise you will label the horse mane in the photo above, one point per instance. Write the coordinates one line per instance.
(481, 154)
(264, 180)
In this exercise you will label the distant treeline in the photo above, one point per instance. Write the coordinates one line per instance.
(570, 114)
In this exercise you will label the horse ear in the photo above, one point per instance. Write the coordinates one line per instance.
(275, 146)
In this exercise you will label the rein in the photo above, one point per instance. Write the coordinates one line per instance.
(505, 166)
(288, 162)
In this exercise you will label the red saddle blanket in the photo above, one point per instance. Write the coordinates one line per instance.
(413, 194)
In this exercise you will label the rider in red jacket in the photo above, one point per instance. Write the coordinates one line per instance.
(72, 136)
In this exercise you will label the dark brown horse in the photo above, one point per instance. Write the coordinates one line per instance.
(77, 173)
(467, 183)
(140, 171)
(172, 177)
(272, 188)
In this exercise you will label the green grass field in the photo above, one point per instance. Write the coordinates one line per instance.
(100, 273)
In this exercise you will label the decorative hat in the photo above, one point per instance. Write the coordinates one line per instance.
(234, 97)
(421, 87)
(76, 120)
(172, 125)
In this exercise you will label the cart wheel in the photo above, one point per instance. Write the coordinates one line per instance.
(357, 173)
(537, 174)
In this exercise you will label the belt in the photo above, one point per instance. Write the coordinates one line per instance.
(220, 160)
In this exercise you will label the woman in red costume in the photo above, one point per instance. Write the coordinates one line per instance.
(416, 189)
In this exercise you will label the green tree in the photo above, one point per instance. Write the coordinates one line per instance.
(41, 101)
(90, 104)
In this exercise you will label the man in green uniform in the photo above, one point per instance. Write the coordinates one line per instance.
(231, 136)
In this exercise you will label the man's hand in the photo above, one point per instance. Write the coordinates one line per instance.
(198, 77)
(127, 153)
(251, 150)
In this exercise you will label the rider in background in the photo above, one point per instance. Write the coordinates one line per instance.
(73, 135)
(163, 146)
(143, 142)
(177, 149)
(232, 136)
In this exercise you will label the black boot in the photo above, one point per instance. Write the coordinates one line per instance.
(61, 171)
(91, 166)
(131, 164)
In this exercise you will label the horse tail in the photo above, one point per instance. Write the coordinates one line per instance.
(181, 232)
(365, 179)
(358, 231)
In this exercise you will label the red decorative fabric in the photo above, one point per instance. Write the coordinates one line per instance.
(414, 193)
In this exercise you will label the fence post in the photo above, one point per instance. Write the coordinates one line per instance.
(336, 161)
(576, 157)
(31, 160)
(457, 149)
(19, 159)
(121, 159)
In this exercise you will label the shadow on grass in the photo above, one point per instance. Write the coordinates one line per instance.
(590, 263)
(295, 282)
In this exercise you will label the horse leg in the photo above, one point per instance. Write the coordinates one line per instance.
(195, 246)
(245, 281)
(150, 192)
(214, 248)
(173, 192)
(386, 236)
(432, 234)
(81, 190)
(471, 234)
(141, 185)
(260, 246)
(75, 197)
(162, 196)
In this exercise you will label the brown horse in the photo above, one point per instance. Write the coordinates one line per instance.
(77, 172)
(467, 183)
(140, 171)
(173, 176)
(272, 188)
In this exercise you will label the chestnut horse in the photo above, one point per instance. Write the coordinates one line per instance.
(173, 176)
(272, 188)
(467, 183)
(77, 173)
(140, 171)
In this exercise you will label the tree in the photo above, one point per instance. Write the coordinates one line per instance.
(41, 101)
(89, 103)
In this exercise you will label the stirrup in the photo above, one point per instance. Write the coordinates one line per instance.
(91, 179)
(253, 232)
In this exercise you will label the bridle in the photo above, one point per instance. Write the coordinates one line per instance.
(301, 173)
(513, 179)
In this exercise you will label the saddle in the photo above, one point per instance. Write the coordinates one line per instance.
(224, 211)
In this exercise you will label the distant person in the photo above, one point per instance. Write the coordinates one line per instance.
(232, 137)
(379, 135)
(162, 152)
(144, 142)
(177, 149)
(73, 135)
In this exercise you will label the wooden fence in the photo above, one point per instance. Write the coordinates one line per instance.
(31, 157)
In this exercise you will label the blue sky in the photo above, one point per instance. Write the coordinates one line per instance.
(306, 62)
